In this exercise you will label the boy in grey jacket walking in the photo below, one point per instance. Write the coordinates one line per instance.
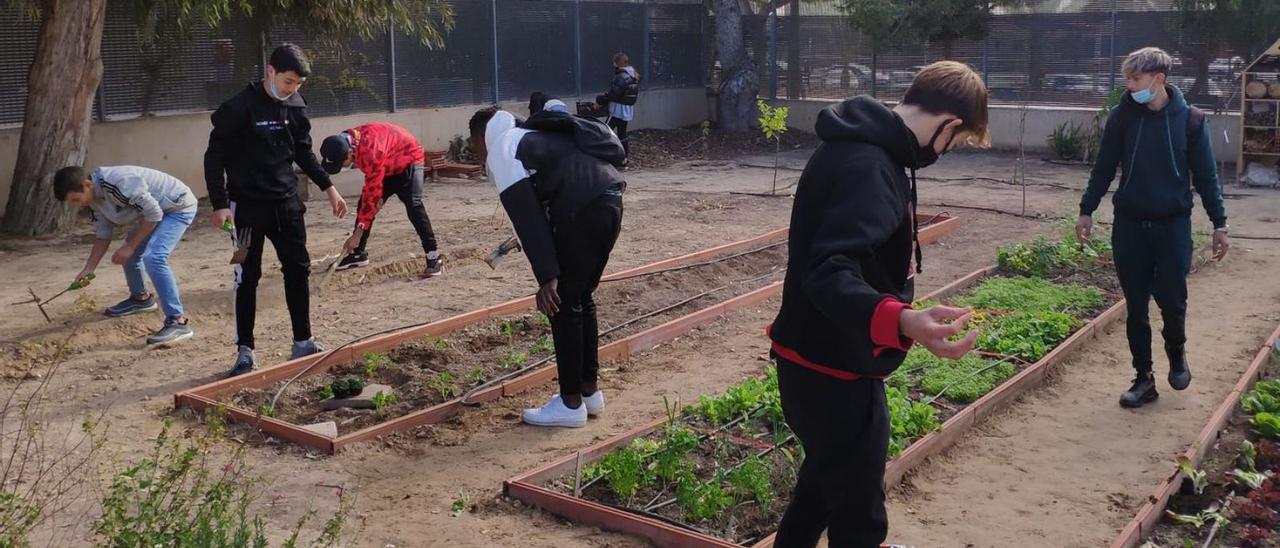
(163, 207)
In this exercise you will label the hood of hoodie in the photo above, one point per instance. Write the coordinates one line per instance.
(631, 71)
(866, 120)
(591, 136)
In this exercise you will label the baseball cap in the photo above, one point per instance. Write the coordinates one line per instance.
(333, 153)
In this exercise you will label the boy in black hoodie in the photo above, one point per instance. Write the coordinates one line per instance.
(1160, 142)
(846, 320)
(557, 177)
(257, 137)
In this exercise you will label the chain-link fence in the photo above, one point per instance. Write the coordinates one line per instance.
(1053, 53)
(562, 47)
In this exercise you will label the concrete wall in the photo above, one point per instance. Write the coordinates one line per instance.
(1041, 121)
(176, 143)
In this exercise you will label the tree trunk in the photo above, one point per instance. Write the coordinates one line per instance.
(61, 85)
(739, 81)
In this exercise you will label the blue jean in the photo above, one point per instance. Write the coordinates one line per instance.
(153, 254)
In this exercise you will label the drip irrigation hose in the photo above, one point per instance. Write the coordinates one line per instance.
(761, 454)
(965, 378)
(328, 354)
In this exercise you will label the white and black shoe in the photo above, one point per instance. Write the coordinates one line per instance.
(353, 260)
(594, 403)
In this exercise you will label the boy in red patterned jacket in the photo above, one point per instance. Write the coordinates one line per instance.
(393, 165)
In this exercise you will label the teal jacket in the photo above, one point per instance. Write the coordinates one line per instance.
(1157, 163)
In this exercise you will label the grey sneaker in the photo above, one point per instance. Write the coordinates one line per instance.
(435, 267)
(132, 306)
(172, 333)
(244, 362)
(302, 349)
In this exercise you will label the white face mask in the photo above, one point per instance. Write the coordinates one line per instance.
(271, 88)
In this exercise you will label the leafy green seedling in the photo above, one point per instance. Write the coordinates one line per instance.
(382, 400)
(460, 504)
(773, 123)
(1199, 478)
(443, 385)
(347, 387)
(373, 361)
(750, 480)
(1248, 456)
(478, 376)
(1250, 480)
(267, 410)
(325, 392)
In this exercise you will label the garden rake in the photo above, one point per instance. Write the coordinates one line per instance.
(240, 241)
(35, 299)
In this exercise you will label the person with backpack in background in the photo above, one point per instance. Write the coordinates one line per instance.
(1164, 149)
(621, 97)
(258, 135)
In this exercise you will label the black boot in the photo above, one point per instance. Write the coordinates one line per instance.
(1141, 393)
(1179, 370)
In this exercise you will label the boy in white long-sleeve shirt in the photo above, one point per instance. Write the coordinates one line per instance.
(163, 207)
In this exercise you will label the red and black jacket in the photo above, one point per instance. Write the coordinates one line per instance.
(849, 272)
(380, 150)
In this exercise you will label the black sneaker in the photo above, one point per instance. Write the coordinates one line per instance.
(353, 260)
(1141, 393)
(1179, 369)
(244, 362)
(435, 267)
(172, 333)
(132, 306)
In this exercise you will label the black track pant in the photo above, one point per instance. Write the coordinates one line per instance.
(620, 128)
(582, 247)
(407, 185)
(1153, 259)
(284, 224)
(844, 428)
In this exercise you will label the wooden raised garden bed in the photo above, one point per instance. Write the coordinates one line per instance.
(501, 350)
(718, 473)
(1252, 512)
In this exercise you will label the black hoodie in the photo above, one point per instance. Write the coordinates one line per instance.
(849, 273)
(255, 142)
(547, 170)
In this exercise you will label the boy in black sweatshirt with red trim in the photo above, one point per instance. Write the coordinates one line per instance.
(846, 321)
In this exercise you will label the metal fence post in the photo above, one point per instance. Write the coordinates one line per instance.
(391, 65)
(577, 43)
(494, 5)
(986, 70)
(1111, 57)
(773, 56)
(645, 55)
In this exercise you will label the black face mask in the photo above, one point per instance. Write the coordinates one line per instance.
(927, 155)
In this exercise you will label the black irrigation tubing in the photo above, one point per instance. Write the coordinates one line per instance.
(1034, 216)
(330, 353)
(659, 517)
(642, 317)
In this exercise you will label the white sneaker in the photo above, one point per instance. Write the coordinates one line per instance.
(594, 403)
(556, 413)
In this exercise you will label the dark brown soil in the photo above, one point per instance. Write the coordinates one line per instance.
(431, 371)
(1244, 507)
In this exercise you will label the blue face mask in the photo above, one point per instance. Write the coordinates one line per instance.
(1145, 96)
(276, 94)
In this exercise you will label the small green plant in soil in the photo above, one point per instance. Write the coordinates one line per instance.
(909, 420)
(750, 481)
(267, 410)
(347, 387)
(702, 500)
(966, 379)
(1042, 257)
(184, 493)
(1199, 478)
(1263, 398)
(478, 376)
(1022, 294)
(325, 392)
(373, 361)
(381, 401)
(443, 385)
(460, 504)
(514, 359)
(1070, 141)
(541, 319)
(440, 343)
(544, 344)
(510, 328)
(1028, 336)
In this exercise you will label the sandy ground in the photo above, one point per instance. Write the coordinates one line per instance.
(406, 485)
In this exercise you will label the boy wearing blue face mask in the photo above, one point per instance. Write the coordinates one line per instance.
(257, 137)
(1163, 148)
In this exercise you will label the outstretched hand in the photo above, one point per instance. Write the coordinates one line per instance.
(933, 328)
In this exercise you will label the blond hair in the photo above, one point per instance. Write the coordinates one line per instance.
(1147, 61)
(948, 87)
